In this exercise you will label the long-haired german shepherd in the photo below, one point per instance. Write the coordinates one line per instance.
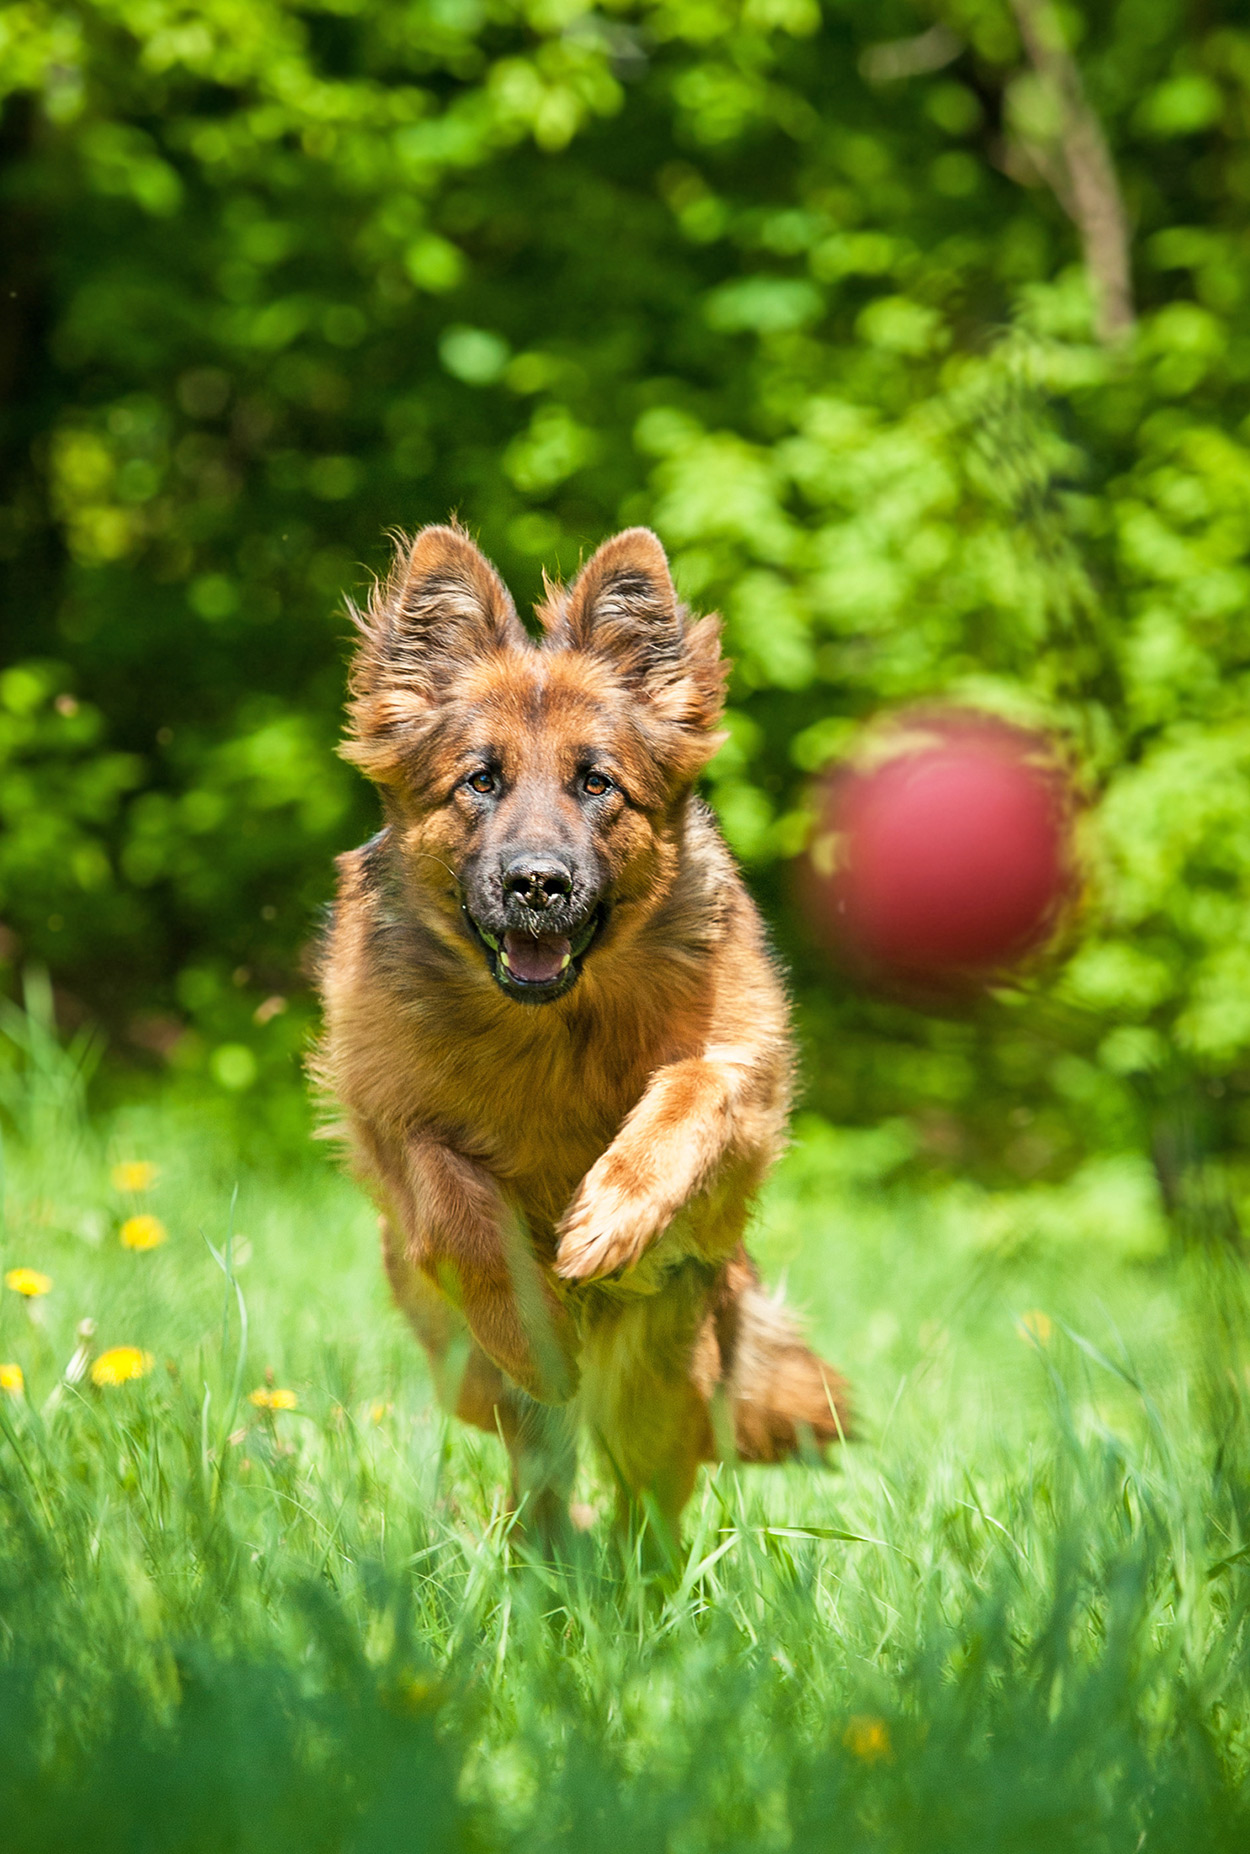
(553, 1024)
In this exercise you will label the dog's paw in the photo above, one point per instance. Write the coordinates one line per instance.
(606, 1229)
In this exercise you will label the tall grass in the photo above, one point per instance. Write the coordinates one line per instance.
(1012, 1616)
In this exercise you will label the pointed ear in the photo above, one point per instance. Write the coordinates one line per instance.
(442, 606)
(623, 608)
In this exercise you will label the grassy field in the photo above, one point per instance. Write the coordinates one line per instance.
(1011, 1616)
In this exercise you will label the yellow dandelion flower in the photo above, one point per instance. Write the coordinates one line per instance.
(266, 1399)
(12, 1379)
(121, 1363)
(379, 1410)
(144, 1232)
(414, 1693)
(1035, 1326)
(134, 1175)
(867, 1738)
(27, 1281)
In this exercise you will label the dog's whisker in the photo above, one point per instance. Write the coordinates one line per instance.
(429, 857)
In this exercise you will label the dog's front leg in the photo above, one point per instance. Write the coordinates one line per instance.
(461, 1233)
(693, 1116)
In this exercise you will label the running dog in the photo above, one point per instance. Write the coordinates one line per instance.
(557, 1038)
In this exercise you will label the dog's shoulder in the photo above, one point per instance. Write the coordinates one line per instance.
(362, 872)
(709, 904)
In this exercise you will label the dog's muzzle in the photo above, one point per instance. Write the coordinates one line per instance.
(537, 967)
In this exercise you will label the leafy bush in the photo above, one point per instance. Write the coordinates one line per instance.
(792, 283)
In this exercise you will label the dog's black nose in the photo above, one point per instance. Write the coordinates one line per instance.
(538, 881)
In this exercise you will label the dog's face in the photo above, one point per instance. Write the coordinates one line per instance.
(534, 788)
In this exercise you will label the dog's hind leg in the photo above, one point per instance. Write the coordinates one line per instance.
(783, 1397)
(648, 1365)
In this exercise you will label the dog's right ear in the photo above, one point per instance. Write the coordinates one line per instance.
(442, 606)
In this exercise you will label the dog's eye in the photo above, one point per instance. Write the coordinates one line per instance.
(483, 782)
(595, 784)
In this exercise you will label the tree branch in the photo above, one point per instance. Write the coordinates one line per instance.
(1091, 194)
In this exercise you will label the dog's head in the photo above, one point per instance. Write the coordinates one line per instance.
(534, 789)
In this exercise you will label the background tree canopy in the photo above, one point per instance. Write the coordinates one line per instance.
(800, 285)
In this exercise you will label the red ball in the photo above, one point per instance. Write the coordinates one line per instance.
(946, 860)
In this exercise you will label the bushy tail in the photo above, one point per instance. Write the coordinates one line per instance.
(783, 1397)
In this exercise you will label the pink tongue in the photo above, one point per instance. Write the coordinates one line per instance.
(536, 960)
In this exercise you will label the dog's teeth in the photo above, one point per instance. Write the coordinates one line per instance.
(565, 961)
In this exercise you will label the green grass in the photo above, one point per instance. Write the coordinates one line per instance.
(1013, 1616)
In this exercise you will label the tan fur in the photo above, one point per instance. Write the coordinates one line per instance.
(565, 1185)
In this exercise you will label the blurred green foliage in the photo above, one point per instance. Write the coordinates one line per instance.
(790, 282)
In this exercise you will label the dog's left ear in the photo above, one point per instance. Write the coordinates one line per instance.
(623, 607)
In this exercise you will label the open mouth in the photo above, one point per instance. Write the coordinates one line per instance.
(537, 966)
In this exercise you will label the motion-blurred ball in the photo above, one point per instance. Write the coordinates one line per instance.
(945, 854)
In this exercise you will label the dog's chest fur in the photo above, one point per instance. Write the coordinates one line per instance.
(536, 1095)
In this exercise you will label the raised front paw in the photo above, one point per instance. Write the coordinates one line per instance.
(608, 1226)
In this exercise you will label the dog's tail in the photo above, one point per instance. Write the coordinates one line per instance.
(783, 1397)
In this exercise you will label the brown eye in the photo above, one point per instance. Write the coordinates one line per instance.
(595, 784)
(483, 782)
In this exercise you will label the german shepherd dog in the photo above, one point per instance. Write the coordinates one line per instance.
(552, 1023)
